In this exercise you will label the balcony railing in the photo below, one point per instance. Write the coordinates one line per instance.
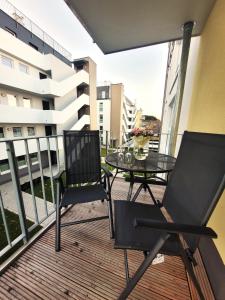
(11, 195)
(19, 17)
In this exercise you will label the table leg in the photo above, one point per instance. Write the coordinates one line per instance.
(131, 186)
(114, 177)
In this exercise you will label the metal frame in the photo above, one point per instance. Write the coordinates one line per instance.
(166, 231)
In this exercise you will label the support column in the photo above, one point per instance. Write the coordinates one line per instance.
(187, 33)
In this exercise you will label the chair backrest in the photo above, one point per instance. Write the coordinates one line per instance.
(82, 156)
(197, 180)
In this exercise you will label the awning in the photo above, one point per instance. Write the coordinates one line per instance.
(117, 25)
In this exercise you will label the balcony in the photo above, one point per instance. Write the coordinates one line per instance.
(88, 266)
(36, 116)
(46, 87)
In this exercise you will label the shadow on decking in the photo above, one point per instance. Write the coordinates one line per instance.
(88, 267)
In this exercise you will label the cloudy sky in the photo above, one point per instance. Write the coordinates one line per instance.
(142, 70)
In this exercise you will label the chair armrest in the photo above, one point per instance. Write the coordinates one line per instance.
(176, 228)
(106, 171)
(59, 180)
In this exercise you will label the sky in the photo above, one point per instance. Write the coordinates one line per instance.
(142, 71)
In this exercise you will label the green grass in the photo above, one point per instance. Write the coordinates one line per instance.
(13, 223)
(48, 191)
(103, 152)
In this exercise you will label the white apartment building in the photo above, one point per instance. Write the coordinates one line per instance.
(170, 98)
(116, 113)
(42, 92)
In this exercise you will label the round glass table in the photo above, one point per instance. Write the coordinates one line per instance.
(155, 163)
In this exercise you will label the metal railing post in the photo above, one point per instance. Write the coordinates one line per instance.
(17, 189)
(107, 142)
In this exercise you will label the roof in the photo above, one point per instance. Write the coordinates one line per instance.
(117, 25)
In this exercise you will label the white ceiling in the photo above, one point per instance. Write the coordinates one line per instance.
(117, 25)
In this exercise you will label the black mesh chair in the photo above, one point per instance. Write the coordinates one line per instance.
(82, 166)
(192, 193)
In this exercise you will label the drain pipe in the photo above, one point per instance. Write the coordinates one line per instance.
(187, 32)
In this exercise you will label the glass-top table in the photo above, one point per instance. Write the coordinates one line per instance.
(155, 163)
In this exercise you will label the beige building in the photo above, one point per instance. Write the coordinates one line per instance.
(116, 113)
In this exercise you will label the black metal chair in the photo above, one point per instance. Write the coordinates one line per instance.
(192, 193)
(82, 166)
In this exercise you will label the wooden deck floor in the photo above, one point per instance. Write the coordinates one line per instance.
(88, 267)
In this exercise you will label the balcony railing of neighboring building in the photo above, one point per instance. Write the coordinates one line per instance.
(19, 17)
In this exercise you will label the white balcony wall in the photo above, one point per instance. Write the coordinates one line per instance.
(14, 78)
(16, 114)
(32, 144)
(21, 51)
(84, 120)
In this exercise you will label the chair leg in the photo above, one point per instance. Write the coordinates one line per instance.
(189, 268)
(142, 269)
(126, 266)
(58, 218)
(58, 229)
(110, 213)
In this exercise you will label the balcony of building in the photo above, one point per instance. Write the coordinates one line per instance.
(88, 267)
(9, 77)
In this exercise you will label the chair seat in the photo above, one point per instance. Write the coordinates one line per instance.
(140, 238)
(83, 194)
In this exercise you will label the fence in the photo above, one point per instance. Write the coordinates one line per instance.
(31, 213)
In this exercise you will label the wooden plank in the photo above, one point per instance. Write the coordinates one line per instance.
(88, 267)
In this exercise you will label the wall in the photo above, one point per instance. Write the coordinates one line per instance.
(92, 93)
(117, 92)
(207, 112)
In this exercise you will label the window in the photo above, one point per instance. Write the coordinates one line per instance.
(129, 119)
(130, 111)
(21, 160)
(1, 133)
(31, 131)
(101, 127)
(10, 31)
(17, 131)
(33, 46)
(26, 102)
(12, 100)
(100, 118)
(6, 61)
(33, 158)
(100, 106)
(23, 68)
(42, 75)
(129, 126)
(103, 94)
(4, 165)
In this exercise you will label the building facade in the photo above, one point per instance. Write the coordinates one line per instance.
(42, 92)
(170, 93)
(116, 113)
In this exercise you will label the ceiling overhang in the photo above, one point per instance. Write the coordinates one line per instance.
(118, 25)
